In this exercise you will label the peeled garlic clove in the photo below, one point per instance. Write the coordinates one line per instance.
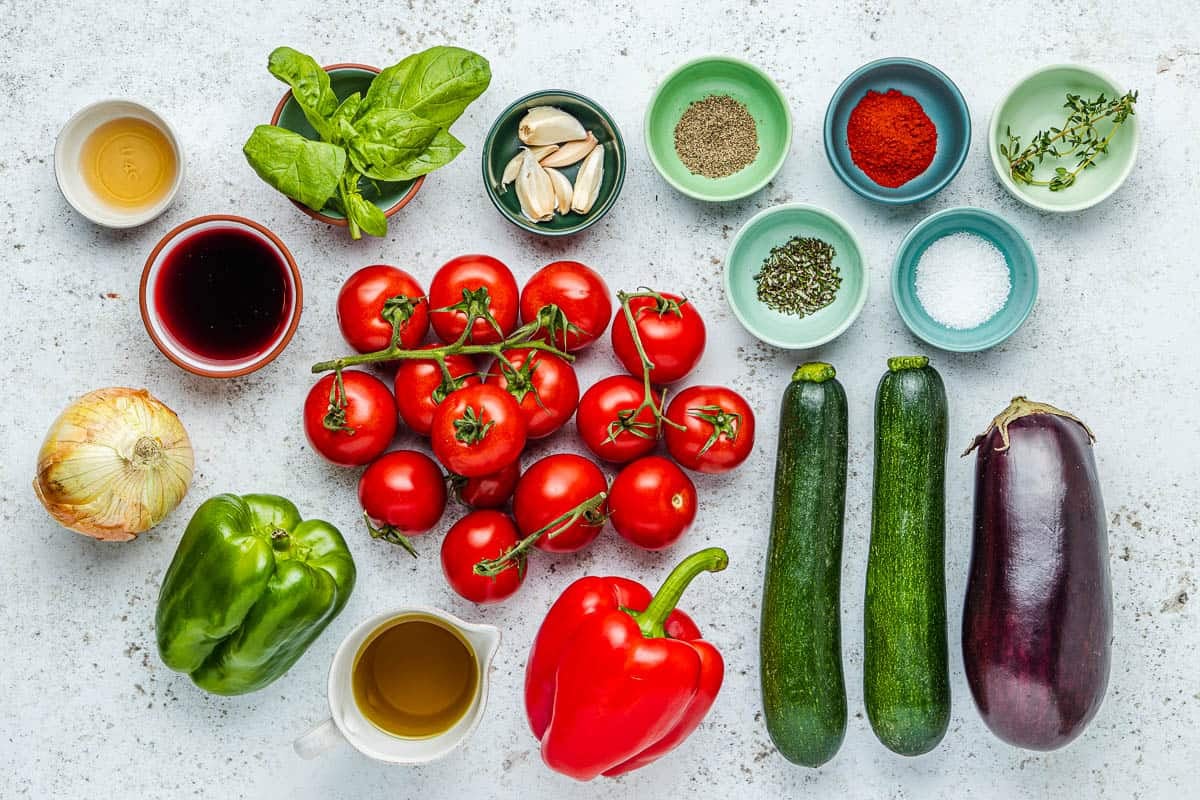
(512, 168)
(563, 193)
(569, 153)
(544, 151)
(535, 190)
(549, 125)
(587, 181)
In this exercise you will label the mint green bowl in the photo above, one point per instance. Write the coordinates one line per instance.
(752, 244)
(1036, 103)
(745, 83)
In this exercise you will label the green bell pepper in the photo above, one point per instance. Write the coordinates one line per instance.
(250, 588)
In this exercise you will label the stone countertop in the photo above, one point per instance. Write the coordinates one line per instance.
(89, 711)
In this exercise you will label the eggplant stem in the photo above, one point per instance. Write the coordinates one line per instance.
(1022, 407)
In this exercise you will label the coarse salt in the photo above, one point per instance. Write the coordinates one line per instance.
(962, 280)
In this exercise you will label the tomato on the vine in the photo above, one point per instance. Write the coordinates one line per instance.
(374, 300)
(713, 428)
(421, 385)
(577, 300)
(652, 502)
(487, 491)
(553, 487)
(473, 286)
(543, 384)
(350, 417)
(671, 331)
(402, 492)
(477, 430)
(607, 422)
(479, 536)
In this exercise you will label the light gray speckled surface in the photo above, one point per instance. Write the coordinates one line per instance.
(86, 709)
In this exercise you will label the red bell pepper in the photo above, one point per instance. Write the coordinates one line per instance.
(616, 678)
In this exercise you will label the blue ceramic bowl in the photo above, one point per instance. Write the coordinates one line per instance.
(940, 99)
(1022, 272)
(752, 244)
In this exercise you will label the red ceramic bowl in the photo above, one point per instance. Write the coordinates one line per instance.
(345, 80)
(159, 327)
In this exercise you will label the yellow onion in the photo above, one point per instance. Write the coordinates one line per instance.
(114, 463)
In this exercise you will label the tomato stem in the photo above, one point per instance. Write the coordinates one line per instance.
(626, 420)
(515, 556)
(335, 412)
(389, 534)
(724, 423)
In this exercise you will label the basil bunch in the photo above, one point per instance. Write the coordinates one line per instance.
(398, 131)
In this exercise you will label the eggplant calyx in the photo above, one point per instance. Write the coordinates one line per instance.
(1022, 407)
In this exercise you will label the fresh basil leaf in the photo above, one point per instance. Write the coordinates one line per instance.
(340, 129)
(442, 149)
(365, 214)
(388, 141)
(303, 169)
(310, 86)
(437, 84)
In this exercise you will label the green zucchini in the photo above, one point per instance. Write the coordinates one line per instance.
(800, 643)
(906, 683)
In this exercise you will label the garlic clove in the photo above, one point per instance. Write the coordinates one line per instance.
(563, 193)
(544, 151)
(587, 181)
(512, 168)
(569, 153)
(549, 125)
(535, 190)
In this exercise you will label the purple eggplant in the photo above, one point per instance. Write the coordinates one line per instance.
(1037, 624)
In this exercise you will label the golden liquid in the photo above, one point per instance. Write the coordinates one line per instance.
(414, 678)
(128, 163)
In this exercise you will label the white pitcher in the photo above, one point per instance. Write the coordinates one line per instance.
(347, 722)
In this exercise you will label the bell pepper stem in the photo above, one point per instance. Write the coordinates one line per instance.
(280, 541)
(654, 618)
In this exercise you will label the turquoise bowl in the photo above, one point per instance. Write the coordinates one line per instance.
(1022, 272)
(942, 102)
(752, 244)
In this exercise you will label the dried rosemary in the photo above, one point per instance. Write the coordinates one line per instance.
(1078, 138)
(798, 277)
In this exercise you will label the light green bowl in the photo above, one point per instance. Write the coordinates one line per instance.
(752, 244)
(745, 83)
(1036, 103)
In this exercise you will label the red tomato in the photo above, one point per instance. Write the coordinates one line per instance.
(582, 300)
(652, 502)
(672, 335)
(478, 430)
(718, 428)
(419, 387)
(543, 384)
(605, 431)
(478, 536)
(351, 423)
(372, 299)
(473, 285)
(487, 491)
(403, 490)
(552, 487)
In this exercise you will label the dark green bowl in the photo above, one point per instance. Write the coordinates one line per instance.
(345, 80)
(502, 144)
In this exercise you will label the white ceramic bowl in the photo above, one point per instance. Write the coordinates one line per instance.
(70, 178)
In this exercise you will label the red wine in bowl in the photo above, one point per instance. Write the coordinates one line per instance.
(224, 294)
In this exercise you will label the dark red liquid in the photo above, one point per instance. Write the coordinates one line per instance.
(224, 294)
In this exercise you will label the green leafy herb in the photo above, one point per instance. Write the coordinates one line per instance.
(798, 277)
(301, 168)
(1079, 138)
(397, 131)
(437, 84)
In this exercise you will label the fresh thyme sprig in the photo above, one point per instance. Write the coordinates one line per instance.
(1078, 138)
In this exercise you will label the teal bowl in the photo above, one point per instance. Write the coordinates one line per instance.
(1022, 273)
(345, 80)
(1036, 103)
(745, 83)
(941, 101)
(752, 244)
(502, 143)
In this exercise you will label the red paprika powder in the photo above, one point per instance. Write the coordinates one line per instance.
(891, 137)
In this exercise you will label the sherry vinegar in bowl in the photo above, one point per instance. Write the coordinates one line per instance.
(221, 296)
